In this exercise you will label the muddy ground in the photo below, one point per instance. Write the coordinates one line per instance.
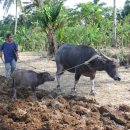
(108, 110)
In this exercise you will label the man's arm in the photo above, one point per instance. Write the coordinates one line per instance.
(0, 54)
(17, 55)
(16, 51)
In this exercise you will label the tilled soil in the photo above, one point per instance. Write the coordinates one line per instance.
(51, 112)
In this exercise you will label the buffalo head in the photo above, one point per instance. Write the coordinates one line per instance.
(111, 67)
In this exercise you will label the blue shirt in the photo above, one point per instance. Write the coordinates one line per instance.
(9, 50)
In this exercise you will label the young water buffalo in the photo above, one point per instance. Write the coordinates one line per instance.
(71, 56)
(29, 78)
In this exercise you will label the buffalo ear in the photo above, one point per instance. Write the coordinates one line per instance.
(40, 75)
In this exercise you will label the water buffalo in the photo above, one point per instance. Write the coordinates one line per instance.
(69, 56)
(29, 78)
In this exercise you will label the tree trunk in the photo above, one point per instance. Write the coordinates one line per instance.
(114, 24)
(52, 43)
(122, 36)
(16, 18)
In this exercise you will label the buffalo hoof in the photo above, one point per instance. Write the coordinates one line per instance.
(14, 98)
(73, 92)
(35, 97)
(58, 91)
(127, 67)
(92, 93)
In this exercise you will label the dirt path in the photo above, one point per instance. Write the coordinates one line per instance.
(108, 90)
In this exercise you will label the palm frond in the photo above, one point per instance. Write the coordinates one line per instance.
(7, 4)
(56, 10)
(28, 8)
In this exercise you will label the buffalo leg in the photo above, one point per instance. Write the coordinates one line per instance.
(33, 91)
(73, 90)
(127, 64)
(14, 90)
(92, 91)
(58, 75)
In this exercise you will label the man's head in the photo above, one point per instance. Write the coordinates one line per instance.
(9, 38)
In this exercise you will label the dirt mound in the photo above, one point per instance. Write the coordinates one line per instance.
(50, 112)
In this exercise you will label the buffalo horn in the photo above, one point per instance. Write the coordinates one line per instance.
(106, 57)
(91, 59)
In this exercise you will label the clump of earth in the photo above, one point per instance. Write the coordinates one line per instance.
(51, 112)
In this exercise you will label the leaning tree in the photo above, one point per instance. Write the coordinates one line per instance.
(46, 15)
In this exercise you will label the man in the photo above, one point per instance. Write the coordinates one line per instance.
(10, 50)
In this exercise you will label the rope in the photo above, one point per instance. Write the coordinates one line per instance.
(85, 63)
(71, 68)
(44, 70)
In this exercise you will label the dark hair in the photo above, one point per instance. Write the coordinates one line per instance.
(8, 35)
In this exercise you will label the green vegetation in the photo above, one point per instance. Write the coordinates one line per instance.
(46, 24)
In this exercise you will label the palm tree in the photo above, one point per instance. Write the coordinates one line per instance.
(16, 17)
(46, 14)
(114, 24)
(7, 4)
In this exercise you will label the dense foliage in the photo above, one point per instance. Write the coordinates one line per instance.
(48, 22)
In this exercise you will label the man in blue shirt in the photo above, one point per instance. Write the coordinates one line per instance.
(10, 50)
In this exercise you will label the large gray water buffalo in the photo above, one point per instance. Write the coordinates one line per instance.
(29, 78)
(72, 56)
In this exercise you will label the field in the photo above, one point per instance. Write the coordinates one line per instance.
(108, 110)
